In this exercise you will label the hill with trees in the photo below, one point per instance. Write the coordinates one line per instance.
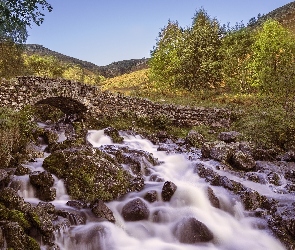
(111, 70)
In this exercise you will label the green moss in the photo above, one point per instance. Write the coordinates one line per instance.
(20, 218)
(32, 244)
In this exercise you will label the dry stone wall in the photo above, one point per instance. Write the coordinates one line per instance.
(75, 97)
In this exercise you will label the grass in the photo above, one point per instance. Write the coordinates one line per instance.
(259, 118)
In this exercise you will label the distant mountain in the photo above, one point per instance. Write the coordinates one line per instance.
(111, 70)
(285, 15)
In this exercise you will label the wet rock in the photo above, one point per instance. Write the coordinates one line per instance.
(255, 177)
(21, 170)
(114, 134)
(135, 210)
(156, 178)
(290, 175)
(204, 172)
(251, 200)
(151, 196)
(229, 137)
(274, 178)
(46, 193)
(74, 217)
(282, 223)
(41, 179)
(11, 200)
(168, 190)
(212, 198)
(4, 178)
(91, 174)
(219, 151)
(49, 136)
(288, 156)
(47, 207)
(16, 238)
(242, 161)
(100, 210)
(191, 231)
(77, 204)
(194, 139)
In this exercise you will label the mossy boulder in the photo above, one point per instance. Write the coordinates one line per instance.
(90, 174)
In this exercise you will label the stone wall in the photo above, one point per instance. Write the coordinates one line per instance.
(75, 97)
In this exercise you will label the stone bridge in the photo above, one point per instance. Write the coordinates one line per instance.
(77, 98)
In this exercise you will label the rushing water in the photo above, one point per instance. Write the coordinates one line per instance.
(230, 225)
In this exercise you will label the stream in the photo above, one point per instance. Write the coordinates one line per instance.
(232, 227)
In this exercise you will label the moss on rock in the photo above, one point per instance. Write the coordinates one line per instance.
(89, 174)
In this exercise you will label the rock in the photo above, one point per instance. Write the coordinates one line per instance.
(161, 216)
(49, 136)
(194, 139)
(218, 150)
(21, 170)
(274, 178)
(212, 198)
(114, 134)
(77, 204)
(75, 218)
(191, 231)
(151, 196)
(4, 178)
(100, 210)
(46, 193)
(135, 210)
(11, 200)
(16, 238)
(288, 156)
(91, 174)
(229, 137)
(251, 199)
(41, 179)
(242, 161)
(168, 190)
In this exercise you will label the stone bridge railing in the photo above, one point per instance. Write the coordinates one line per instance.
(75, 97)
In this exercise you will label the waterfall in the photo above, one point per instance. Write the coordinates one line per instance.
(230, 224)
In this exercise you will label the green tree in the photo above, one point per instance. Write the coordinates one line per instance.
(200, 62)
(17, 15)
(11, 60)
(47, 66)
(236, 49)
(272, 63)
(165, 57)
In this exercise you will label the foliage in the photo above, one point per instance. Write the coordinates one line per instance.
(16, 15)
(16, 129)
(273, 58)
(200, 63)
(235, 51)
(189, 57)
(50, 66)
(166, 58)
(11, 60)
(47, 66)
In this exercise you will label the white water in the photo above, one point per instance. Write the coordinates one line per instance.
(232, 230)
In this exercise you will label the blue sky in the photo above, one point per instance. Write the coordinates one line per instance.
(105, 31)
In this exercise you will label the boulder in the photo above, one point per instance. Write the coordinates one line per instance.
(151, 196)
(21, 170)
(242, 161)
(100, 210)
(77, 204)
(135, 210)
(194, 139)
(46, 193)
(75, 218)
(251, 199)
(91, 174)
(114, 134)
(191, 231)
(168, 190)
(4, 178)
(41, 179)
(228, 137)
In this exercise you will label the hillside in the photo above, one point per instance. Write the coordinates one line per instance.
(111, 70)
(285, 15)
